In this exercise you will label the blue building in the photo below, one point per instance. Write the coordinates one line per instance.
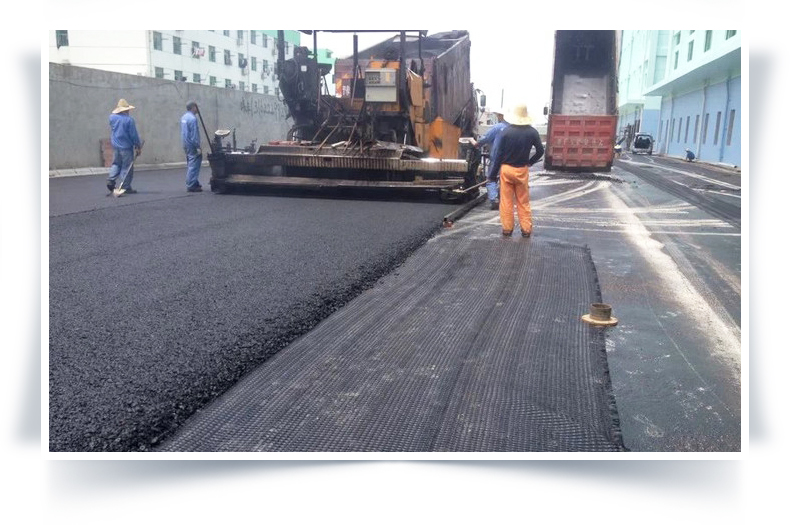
(684, 88)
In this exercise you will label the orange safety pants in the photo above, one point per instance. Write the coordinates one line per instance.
(513, 182)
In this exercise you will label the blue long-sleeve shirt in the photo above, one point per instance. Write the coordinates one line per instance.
(123, 131)
(492, 137)
(190, 137)
(516, 143)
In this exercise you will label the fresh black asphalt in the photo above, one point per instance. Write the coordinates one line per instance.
(158, 305)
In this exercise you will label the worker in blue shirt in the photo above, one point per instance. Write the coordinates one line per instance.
(126, 146)
(190, 140)
(491, 139)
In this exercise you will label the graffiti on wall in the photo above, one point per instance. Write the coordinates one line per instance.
(270, 107)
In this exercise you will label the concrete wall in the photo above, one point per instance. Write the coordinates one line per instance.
(81, 100)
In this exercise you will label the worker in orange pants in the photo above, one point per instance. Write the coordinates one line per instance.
(512, 163)
(513, 182)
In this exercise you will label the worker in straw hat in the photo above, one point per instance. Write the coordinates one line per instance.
(126, 146)
(513, 161)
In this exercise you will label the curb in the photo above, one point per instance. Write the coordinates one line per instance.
(721, 165)
(80, 172)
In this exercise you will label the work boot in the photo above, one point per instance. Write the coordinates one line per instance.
(130, 190)
(194, 189)
(507, 234)
(111, 186)
(526, 235)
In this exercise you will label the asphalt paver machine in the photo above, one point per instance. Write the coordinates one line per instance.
(397, 121)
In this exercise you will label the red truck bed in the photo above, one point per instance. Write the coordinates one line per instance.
(581, 142)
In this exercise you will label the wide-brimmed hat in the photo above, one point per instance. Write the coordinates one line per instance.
(122, 106)
(518, 116)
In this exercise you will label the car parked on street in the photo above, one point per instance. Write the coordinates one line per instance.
(643, 143)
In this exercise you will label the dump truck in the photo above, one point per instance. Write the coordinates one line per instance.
(582, 113)
(396, 122)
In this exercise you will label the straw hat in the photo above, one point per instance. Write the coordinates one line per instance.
(518, 116)
(122, 106)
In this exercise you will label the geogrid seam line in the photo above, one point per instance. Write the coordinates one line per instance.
(472, 345)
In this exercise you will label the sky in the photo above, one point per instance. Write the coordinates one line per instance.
(510, 68)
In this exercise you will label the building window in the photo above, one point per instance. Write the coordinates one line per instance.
(228, 83)
(226, 32)
(255, 88)
(691, 31)
(729, 126)
(212, 81)
(718, 123)
(287, 47)
(660, 128)
(730, 34)
(196, 78)
(265, 90)
(677, 38)
(705, 128)
(177, 45)
(228, 62)
(252, 37)
(212, 54)
(265, 66)
(691, 51)
(242, 61)
(241, 85)
(677, 53)
(680, 128)
(179, 75)
(253, 63)
(240, 36)
(672, 131)
(159, 72)
(157, 40)
(696, 129)
(708, 39)
(686, 137)
(196, 49)
(61, 38)
(265, 39)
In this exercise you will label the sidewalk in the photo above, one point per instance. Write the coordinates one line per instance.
(79, 172)
(720, 165)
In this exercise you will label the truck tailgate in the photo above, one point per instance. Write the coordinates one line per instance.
(580, 142)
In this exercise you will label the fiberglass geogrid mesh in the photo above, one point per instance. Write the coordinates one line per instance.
(471, 345)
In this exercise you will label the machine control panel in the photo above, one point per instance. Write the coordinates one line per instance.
(381, 85)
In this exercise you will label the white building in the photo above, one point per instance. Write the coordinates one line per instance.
(234, 59)
(684, 88)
